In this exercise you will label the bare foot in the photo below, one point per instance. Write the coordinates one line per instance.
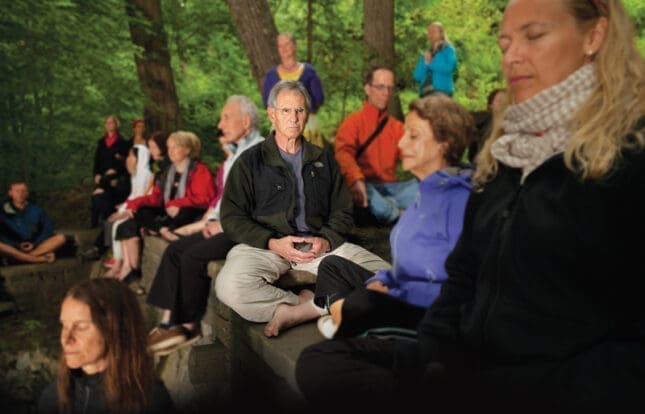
(285, 316)
(49, 257)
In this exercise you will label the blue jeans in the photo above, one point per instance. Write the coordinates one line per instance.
(385, 201)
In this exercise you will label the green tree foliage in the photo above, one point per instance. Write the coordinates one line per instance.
(65, 64)
(208, 64)
(338, 52)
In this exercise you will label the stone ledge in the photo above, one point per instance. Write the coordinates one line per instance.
(279, 353)
(38, 288)
(251, 362)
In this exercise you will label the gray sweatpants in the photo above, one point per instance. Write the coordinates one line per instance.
(245, 283)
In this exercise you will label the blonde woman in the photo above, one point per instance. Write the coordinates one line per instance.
(180, 197)
(436, 66)
(542, 310)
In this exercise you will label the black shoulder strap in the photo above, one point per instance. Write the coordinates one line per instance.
(373, 136)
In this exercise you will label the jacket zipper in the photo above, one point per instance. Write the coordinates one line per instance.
(503, 233)
(87, 399)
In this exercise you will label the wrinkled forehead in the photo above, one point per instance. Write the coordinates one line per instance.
(231, 109)
(289, 97)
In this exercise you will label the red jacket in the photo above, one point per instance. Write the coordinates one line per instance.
(200, 190)
(377, 164)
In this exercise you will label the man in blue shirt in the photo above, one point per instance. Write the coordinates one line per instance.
(26, 233)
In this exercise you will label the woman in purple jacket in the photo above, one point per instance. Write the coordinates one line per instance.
(437, 131)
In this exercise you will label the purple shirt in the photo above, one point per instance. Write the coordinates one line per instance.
(309, 79)
(425, 235)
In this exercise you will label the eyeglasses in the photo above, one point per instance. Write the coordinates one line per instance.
(382, 88)
(288, 111)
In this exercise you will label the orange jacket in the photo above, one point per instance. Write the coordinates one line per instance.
(377, 164)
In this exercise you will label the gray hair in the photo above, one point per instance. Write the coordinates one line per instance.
(288, 85)
(289, 36)
(247, 107)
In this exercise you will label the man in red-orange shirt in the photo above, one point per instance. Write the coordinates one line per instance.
(366, 148)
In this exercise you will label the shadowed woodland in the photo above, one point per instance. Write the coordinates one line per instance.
(66, 64)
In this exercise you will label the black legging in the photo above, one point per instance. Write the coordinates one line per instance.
(154, 218)
(371, 375)
(363, 309)
(182, 284)
(354, 375)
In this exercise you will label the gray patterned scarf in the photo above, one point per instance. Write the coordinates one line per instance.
(170, 179)
(537, 128)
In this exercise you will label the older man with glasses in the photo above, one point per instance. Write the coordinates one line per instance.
(366, 148)
(287, 206)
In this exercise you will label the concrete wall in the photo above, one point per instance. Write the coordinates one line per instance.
(234, 366)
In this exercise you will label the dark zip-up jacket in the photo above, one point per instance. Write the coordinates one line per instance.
(546, 285)
(113, 157)
(90, 399)
(259, 201)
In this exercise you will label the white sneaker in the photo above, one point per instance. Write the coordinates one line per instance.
(327, 327)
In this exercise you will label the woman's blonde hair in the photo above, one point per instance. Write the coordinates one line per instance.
(442, 30)
(117, 123)
(187, 140)
(600, 128)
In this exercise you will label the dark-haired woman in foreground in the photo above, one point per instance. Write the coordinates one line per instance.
(104, 365)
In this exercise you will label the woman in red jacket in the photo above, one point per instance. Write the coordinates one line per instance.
(179, 197)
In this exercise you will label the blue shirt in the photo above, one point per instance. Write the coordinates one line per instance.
(441, 68)
(29, 224)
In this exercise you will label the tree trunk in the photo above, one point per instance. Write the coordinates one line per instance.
(257, 32)
(161, 107)
(378, 33)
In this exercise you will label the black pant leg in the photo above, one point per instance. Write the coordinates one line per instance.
(185, 216)
(164, 292)
(195, 284)
(148, 217)
(349, 375)
(338, 277)
(103, 204)
(365, 309)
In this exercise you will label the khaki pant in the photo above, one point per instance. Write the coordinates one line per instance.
(245, 283)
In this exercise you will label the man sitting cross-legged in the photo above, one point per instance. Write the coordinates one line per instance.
(26, 233)
(287, 205)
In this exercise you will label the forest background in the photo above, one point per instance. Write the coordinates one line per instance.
(66, 64)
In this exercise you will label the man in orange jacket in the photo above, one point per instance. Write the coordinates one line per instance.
(366, 148)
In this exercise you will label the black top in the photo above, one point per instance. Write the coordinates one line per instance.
(545, 285)
(113, 157)
(89, 397)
